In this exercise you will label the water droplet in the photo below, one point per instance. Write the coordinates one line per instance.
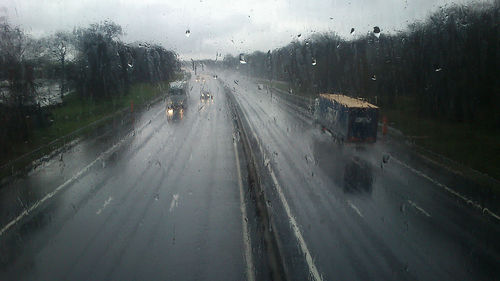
(352, 31)
(386, 158)
(236, 136)
(402, 208)
(438, 69)
(188, 33)
(376, 31)
(331, 18)
(298, 35)
(157, 196)
(242, 59)
(313, 61)
(374, 77)
(215, 76)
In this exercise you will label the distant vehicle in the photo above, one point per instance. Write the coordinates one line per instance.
(177, 95)
(349, 120)
(206, 95)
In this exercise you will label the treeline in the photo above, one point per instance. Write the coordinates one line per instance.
(444, 67)
(91, 61)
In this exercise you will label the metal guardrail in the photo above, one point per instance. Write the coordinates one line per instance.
(37, 156)
(304, 103)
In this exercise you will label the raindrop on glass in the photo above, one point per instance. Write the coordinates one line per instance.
(438, 69)
(376, 31)
(298, 35)
(374, 77)
(188, 33)
(242, 59)
(385, 158)
(352, 31)
(402, 208)
(313, 61)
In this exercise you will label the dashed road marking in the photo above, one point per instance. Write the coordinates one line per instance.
(174, 203)
(467, 200)
(355, 208)
(51, 194)
(419, 208)
(104, 205)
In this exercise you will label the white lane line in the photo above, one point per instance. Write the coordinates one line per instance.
(175, 202)
(246, 235)
(354, 208)
(49, 195)
(419, 208)
(104, 205)
(467, 200)
(296, 230)
(302, 243)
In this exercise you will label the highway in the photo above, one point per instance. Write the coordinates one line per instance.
(167, 197)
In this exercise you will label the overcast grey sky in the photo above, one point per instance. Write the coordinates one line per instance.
(220, 25)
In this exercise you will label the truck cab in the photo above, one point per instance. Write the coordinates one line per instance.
(177, 95)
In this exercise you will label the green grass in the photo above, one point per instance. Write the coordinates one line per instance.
(78, 113)
(465, 143)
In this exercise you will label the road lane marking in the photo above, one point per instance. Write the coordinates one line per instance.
(354, 208)
(295, 227)
(174, 203)
(419, 208)
(104, 205)
(51, 194)
(246, 235)
(302, 243)
(467, 200)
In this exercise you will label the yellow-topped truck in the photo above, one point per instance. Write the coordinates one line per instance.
(349, 120)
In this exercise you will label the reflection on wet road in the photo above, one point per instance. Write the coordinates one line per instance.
(360, 213)
(159, 202)
(162, 197)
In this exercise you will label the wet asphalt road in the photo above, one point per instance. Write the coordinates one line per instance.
(162, 202)
(360, 218)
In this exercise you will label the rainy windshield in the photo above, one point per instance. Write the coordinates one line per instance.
(250, 140)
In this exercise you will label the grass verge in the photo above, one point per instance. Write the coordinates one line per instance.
(465, 143)
(75, 118)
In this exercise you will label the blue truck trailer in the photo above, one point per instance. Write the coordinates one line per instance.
(349, 120)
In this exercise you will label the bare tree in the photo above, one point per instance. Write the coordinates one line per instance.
(59, 45)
